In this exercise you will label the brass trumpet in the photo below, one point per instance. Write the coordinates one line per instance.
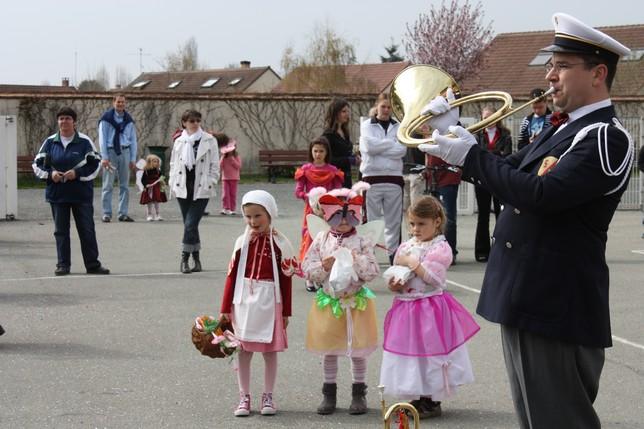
(389, 413)
(417, 85)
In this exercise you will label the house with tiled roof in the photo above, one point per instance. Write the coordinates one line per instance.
(38, 89)
(514, 64)
(345, 79)
(239, 80)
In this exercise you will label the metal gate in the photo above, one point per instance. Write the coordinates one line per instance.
(8, 168)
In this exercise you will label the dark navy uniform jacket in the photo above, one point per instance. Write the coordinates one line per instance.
(547, 272)
(79, 155)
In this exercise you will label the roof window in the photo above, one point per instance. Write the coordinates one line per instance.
(140, 85)
(210, 82)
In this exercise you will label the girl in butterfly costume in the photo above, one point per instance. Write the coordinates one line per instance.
(342, 318)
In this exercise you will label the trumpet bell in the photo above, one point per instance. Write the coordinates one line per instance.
(417, 85)
(410, 91)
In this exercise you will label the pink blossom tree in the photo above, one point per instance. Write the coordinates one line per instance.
(452, 38)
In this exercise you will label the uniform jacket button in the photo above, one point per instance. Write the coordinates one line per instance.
(508, 245)
(517, 211)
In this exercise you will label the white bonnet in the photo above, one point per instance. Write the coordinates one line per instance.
(263, 199)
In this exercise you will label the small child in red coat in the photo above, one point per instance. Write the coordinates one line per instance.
(257, 295)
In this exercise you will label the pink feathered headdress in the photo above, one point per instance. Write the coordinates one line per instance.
(338, 203)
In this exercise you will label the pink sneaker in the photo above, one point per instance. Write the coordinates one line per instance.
(243, 409)
(268, 408)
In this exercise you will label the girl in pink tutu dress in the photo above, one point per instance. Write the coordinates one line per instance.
(425, 357)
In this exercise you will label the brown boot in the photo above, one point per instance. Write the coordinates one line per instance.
(329, 390)
(358, 399)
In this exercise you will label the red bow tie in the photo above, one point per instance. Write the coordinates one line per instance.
(558, 118)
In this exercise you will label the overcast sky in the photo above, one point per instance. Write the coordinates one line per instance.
(44, 40)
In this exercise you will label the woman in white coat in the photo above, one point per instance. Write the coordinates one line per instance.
(194, 173)
(382, 167)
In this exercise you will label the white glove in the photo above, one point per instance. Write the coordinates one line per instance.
(443, 117)
(452, 150)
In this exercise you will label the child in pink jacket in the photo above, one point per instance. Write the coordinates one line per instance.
(230, 166)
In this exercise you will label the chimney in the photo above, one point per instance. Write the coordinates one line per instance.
(244, 64)
(65, 82)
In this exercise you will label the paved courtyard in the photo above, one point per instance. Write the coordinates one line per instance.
(114, 351)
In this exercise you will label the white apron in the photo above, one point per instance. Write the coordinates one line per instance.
(254, 315)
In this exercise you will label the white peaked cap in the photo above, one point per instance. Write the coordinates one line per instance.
(573, 36)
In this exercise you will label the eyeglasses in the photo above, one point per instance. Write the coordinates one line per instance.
(559, 66)
(194, 120)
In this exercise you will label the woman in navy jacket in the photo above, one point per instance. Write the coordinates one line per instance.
(68, 161)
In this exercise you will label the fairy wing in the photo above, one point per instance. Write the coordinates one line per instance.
(373, 230)
(316, 225)
(140, 165)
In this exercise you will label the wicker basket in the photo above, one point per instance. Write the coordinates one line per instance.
(203, 342)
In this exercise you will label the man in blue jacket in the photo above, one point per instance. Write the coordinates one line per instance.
(118, 143)
(68, 161)
(546, 281)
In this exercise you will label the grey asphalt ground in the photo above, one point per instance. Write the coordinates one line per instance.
(115, 352)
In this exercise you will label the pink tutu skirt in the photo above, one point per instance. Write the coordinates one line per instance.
(431, 326)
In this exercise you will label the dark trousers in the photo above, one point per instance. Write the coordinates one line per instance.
(553, 383)
(482, 240)
(192, 212)
(448, 195)
(84, 219)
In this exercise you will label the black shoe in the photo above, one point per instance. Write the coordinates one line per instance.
(125, 218)
(1, 330)
(206, 213)
(481, 258)
(98, 270)
(61, 271)
(106, 219)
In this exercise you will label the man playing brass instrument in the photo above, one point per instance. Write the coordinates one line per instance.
(546, 281)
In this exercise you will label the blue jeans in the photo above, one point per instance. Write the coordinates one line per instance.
(84, 219)
(121, 163)
(448, 196)
(191, 211)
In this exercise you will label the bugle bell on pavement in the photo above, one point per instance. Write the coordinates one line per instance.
(417, 85)
(400, 408)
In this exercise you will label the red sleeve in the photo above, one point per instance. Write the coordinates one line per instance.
(338, 181)
(286, 287)
(229, 287)
(237, 162)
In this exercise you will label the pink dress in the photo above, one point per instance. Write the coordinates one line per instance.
(426, 330)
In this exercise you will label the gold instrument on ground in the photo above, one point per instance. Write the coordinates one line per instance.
(389, 413)
(417, 85)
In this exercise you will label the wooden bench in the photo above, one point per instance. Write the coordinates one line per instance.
(274, 160)
(24, 164)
